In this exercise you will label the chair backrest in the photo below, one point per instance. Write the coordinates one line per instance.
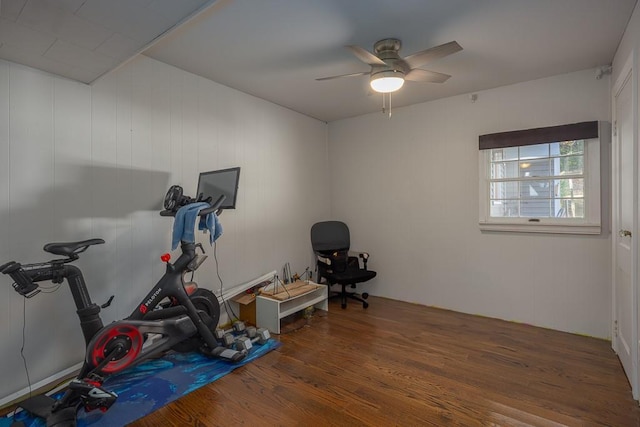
(329, 236)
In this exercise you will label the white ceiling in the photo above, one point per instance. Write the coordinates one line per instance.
(84, 39)
(276, 49)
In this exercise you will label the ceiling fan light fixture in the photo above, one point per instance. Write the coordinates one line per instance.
(387, 81)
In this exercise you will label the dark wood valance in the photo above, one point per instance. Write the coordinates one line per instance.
(584, 130)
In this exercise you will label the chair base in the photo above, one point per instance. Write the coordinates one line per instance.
(343, 294)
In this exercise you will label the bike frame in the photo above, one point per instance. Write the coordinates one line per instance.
(173, 324)
(148, 331)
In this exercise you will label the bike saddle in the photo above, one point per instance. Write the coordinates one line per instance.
(69, 249)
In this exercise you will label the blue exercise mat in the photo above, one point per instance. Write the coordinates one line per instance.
(151, 385)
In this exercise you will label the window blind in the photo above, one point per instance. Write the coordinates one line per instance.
(518, 138)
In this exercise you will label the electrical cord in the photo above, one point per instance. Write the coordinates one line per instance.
(24, 330)
(45, 290)
(24, 359)
(227, 307)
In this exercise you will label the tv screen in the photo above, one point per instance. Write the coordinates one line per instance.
(215, 183)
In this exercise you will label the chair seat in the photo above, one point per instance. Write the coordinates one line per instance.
(350, 276)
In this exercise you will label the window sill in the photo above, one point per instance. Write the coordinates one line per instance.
(541, 227)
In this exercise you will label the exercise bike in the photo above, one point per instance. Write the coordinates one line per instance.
(174, 315)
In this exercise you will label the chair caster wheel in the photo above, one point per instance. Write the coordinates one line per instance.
(365, 305)
(365, 295)
(343, 305)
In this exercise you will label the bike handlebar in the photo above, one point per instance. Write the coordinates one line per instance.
(214, 207)
(204, 212)
(26, 276)
(23, 283)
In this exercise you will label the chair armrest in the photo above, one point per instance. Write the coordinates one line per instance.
(324, 260)
(364, 256)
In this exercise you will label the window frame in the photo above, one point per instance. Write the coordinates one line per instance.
(590, 224)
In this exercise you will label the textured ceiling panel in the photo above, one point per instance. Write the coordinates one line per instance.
(47, 17)
(10, 9)
(84, 39)
(19, 37)
(126, 17)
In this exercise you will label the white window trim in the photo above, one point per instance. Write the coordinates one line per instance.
(590, 224)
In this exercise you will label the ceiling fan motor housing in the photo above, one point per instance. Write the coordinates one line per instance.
(387, 50)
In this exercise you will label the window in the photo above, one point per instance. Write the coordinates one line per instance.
(552, 186)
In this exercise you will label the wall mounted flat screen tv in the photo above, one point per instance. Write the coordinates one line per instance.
(215, 183)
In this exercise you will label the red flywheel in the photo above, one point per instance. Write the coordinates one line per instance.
(110, 338)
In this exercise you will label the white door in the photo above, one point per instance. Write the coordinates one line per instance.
(623, 236)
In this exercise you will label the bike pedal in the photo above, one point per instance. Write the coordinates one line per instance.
(92, 395)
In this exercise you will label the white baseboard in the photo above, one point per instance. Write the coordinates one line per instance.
(47, 382)
(238, 289)
(232, 292)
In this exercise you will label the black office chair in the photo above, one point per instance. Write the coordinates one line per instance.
(330, 241)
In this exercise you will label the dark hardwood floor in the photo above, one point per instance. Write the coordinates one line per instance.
(404, 364)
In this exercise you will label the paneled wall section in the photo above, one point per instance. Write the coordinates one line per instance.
(78, 162)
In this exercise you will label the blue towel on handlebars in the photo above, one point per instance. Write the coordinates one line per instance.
(185, 223)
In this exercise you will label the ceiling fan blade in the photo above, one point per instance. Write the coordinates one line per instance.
(365, 56)
(421, 58)
(364, 73)
(418, 75)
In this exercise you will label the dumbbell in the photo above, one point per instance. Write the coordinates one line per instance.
(261, 336)
(226, 335)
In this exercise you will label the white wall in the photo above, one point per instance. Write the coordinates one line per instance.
(408, 188)
(78, 162)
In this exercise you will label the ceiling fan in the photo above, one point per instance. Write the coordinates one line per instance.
(389, 70)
